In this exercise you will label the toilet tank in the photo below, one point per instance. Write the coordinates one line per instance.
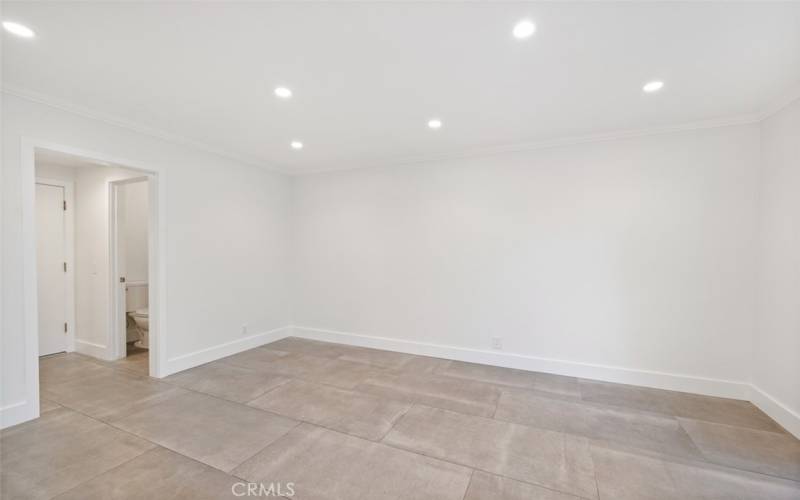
(135, 296)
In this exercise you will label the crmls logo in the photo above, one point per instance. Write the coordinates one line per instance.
(263, 490)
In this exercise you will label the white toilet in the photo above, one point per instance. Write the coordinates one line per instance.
(141, 317)
(138, 314)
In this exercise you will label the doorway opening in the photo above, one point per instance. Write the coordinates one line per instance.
(83, 300)
(93, 258)
(129, 287)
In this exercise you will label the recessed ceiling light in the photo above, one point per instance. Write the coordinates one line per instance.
(297, 145)
(524, 29)
(18, 29)
(435, 123)
(283, 92)
(654, 86)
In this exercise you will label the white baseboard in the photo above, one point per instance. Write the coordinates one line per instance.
(15, 413)
(91, 349)
(202, 356)
(659, 380)
(790, 420)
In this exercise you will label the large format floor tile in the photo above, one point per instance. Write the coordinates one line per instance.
(626, 396)
(326, 370)
(342, 410)
(531, 408)
(639, 431)
(311, 347)
(137, 363)
(423, 364)
(622, 475)
(776, 454)
(158, 474)
(545, 382)
(706, 481)
(384, 425)
(484, 486)
(450, 393)
(491, 374)
(377, 357)
(680, 404)
(227, 381)
(60, 368)
(58, 451)
(551, 459)
(46, 405)
(722, 411)
(216, 432)
(257, 359)
(286, 364)
(110, 395)
(327, 465)
(626, 476)
(341, 373)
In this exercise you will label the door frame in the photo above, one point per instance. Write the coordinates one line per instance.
(69, 253)
(157, 255)
(118, 313)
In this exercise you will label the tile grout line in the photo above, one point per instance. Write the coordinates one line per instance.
(417, 452)
(396, 421)
(298, 424)
(529, 483)
(594, 472)
(469, 483)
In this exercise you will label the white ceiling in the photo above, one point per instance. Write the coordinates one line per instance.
(367, 77)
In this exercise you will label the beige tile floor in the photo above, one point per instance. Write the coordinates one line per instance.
(342, 422)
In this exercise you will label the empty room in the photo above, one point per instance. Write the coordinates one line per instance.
(387, 250)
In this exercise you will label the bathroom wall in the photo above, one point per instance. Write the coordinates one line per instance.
(132, 235)
(92, 256)
(133, 227)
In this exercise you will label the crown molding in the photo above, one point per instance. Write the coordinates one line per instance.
(778, 104)
(116, 121)
(774, 107)
(744, 119)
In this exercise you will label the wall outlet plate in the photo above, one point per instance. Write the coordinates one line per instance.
(244, 329)
(497, 343)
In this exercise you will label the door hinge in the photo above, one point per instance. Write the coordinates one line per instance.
(65, 328)
(65, 204)
(65, 267)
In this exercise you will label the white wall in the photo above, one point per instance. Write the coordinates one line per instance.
(91, 240)
(636, 254)
(56, 172)
(225, 240)
(92, 256)
(632, 260)
(777, 336)
(134, 227)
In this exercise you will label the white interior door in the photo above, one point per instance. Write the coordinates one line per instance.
(51, 270)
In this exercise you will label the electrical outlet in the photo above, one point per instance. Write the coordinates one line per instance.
(497, 343)
(244, 329)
